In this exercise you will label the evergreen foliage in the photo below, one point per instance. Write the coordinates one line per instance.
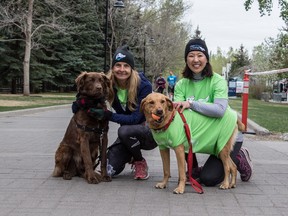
(68, 37)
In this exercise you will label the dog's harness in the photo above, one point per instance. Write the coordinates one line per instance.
(197, 187)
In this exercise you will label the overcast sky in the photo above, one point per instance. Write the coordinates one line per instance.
(226, 23)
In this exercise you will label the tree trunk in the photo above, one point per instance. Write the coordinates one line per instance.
(13, 86)
(26, 63)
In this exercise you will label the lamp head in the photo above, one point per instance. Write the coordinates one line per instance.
(119, 4)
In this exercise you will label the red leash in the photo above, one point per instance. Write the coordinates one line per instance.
(197, 187)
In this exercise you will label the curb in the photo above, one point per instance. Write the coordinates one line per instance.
(32, 110)
(252, 126)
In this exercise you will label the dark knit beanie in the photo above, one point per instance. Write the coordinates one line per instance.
(123, 54)
(196, 45)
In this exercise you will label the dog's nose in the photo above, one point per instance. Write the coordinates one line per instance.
(159, 112)
(98, 87)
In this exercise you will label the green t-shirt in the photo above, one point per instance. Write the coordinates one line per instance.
(205, 131)
(205, 90)
(122, 94)
(208, 135)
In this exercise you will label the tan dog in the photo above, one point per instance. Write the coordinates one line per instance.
(161, 115)
(85, 135)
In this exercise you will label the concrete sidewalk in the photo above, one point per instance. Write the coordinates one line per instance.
(30, 139)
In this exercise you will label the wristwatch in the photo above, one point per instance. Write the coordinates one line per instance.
(190, 101)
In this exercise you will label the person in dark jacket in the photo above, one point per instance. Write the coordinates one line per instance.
(129, 88)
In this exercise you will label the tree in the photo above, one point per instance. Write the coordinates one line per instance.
(265, 6)
(239, 62)
(197, 34)
(218, 61)
(157, 25)
(20, 14)
(58, 54)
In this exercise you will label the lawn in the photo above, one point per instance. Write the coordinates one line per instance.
(9, 102)
(272, 116)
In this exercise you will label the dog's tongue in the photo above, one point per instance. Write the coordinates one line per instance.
(155, 117)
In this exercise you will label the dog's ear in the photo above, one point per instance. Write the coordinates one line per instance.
(110, 94)
(106, 80)
(169, 104)
(142, 105)
(80, 80)
(107, 84)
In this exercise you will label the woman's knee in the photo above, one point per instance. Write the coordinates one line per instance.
(212, 172)
(210, 181)
(124, 132)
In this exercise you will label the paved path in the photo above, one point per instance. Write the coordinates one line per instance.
(27, 145)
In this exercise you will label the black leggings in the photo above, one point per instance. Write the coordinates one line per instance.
(212, 172)
(131, 139)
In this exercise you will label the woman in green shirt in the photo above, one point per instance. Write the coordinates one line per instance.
(206, 93)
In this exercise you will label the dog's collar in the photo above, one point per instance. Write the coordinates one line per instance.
(167, 125)
(89, 102)
(91, 129)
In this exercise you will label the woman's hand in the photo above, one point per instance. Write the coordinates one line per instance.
(182, 105)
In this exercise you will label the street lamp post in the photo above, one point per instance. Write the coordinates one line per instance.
(117, 4)
(151, 40)
(144, 62)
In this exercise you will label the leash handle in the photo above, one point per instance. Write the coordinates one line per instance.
(197, 187)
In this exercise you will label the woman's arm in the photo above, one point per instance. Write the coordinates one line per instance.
(216, 109)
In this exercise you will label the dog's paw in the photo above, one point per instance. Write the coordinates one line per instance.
(67, 175)
(106, 178)
(160, 185)
(178, 190)
(225, 186)
(57, 172)
(94, 178)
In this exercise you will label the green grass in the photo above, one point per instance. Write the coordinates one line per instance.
(272, 116)
(9, 102)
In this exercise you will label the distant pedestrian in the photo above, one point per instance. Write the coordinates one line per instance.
(171, 79)
(160, 83)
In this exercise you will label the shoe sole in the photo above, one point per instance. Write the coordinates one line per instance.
(138, 178)
(249, 161)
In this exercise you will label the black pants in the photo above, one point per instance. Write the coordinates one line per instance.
(160, 89)
(212, 172)
(131, 140)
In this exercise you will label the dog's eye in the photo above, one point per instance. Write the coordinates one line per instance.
(151, 102)
(162, 101)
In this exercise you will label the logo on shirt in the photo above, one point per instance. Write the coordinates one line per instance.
(192, 98)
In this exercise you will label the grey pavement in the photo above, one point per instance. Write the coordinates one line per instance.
(29, 139)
